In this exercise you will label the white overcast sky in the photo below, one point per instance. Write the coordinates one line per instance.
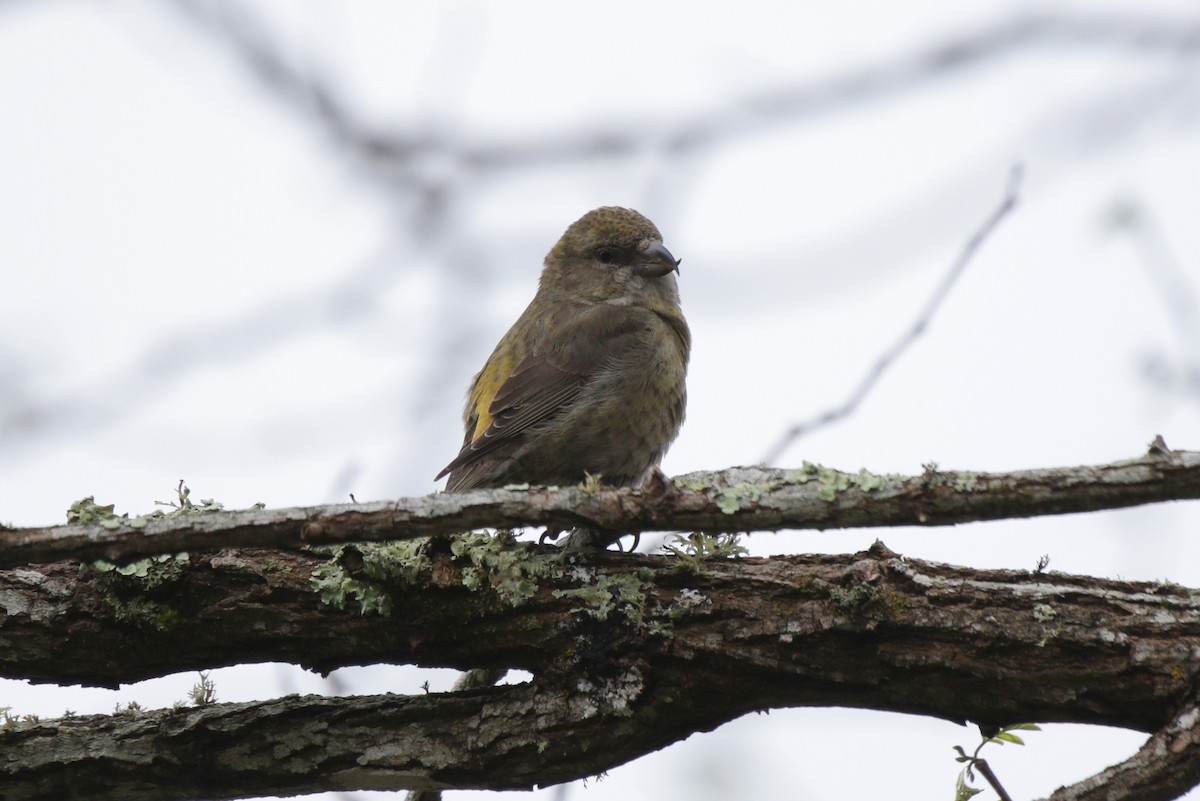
(200, 280)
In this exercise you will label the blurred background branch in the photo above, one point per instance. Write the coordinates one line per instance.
(425, 172)
(265, 246)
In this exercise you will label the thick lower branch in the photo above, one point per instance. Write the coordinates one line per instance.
(868, 630)
(630, 652)
(514, 737)
(738, 499)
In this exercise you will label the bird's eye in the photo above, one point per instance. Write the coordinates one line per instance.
(605, 255)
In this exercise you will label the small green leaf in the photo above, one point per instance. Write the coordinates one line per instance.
(962, 790)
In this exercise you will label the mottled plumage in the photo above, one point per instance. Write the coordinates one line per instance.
(590, 378)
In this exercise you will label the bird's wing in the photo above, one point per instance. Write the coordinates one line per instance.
(544, 385)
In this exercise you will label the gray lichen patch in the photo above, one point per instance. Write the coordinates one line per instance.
(736, 489)
(609, 696)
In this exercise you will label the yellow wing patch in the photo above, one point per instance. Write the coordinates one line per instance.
(483, 391)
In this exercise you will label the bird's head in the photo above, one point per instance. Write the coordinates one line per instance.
(612, 255)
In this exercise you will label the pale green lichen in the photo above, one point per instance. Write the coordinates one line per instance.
(732, 496)
(496, 563)
(9, 721)
(803, 475)
(514, 572)
(135, 591)
(153, 571)
(868, 481)
(204, 691)
(86, 511)
(729, 499)
(694, 484)
(501, 564)
(1044, 613)
(966, 482)
(625, 593)
(831, 482)
(693, 549)
(591, 484)
(853, 598)
(511, 571)
(382, 563)
(728, 496)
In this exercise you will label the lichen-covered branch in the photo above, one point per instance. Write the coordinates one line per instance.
(630, 653)
(737, 499)
(513, 737)
(1166, 767)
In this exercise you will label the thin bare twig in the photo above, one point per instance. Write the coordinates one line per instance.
(399, 159)
(1176, 292)
(311, 94)
(888, 357)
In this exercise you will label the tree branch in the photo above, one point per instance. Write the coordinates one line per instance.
(630, 653)
(736, 499)
(515, 737)
(308, 91)
(1166, 767)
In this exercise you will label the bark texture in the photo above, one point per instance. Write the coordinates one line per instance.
(737, 499)
(629, 652)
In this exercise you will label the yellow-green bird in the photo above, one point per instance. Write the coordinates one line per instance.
(590, 378)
